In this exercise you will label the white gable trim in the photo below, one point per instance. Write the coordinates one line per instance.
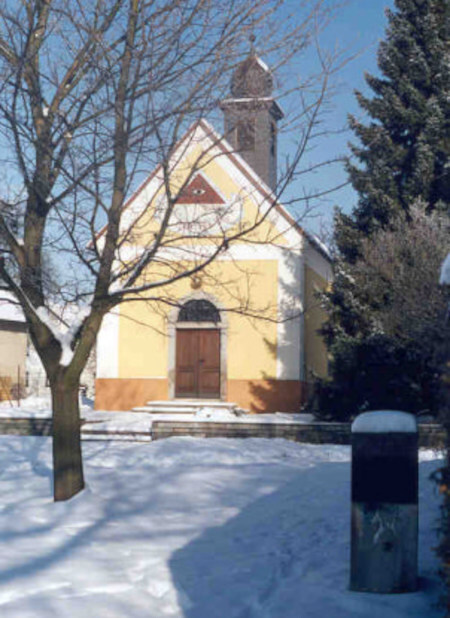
(245, 176)
(218, 149)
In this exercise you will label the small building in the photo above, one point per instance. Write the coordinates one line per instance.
(244, 329)
(13, 347)
(21, 370)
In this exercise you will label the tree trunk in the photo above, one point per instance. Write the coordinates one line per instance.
(67, 461)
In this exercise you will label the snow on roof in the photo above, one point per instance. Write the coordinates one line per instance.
(9, 309)
(321, 244)
(385, 421)
(253, 100)
(444, 279)
(246, 99)
(262, 64)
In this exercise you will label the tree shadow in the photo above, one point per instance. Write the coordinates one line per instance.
(270, 395)
(240, 567)
(71, 526)
(31, 452)
(286, 554)
(87, 401)
(284, 547)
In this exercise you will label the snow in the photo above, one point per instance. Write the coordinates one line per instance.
(385, 421)
(9, 308)
(192, 528)
(321, 244)
(117, 422)
(262, 64)
(31, 407)
(245, 99)
(444, 278)
(121, 421)
(64, 334)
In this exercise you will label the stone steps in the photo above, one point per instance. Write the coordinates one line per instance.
(184, 406)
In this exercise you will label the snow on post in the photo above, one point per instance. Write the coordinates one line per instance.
(385, 421)
(384, 502)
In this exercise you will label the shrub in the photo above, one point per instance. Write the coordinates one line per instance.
(376, 373)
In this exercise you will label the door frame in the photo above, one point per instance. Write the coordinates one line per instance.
(174, 325)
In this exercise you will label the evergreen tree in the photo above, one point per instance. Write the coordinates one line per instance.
(404, 150)
(401, 171)
(403, 153)
(387, 332)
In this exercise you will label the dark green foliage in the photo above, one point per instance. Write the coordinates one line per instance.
(400, 163)
(403, 151)
(377, 373)
(386, 330)
(386, 268)
(385, 310)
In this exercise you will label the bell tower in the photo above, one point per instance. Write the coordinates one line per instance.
(251, 115)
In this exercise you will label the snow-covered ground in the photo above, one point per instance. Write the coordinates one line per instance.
(193, 528)
(122, 422)
(31, 407)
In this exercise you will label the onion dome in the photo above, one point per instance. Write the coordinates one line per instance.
(252, 78)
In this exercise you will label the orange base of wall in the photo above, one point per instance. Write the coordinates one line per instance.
(267, 395)
(254, 395)
(124, 394)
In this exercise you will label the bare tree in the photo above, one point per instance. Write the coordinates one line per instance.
(93, 95)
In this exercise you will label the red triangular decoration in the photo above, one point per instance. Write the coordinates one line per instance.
(199, 191)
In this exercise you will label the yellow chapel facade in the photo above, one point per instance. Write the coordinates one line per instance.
(244, 328)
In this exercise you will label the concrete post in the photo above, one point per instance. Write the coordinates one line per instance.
(384, 519)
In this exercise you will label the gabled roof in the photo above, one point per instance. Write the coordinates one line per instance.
(263, 189)
(241, 165)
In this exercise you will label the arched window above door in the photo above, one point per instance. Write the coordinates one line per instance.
(199, 311)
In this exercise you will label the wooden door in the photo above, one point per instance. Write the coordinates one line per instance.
(209, 363)
(198, 363)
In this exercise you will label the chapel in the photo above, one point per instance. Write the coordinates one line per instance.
(244, 329)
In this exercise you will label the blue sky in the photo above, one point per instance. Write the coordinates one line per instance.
(358, 27)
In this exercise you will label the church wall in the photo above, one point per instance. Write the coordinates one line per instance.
(264, 358)
(247, 202)
(257, 359)
(259, 396)
(241, 288)
(127, 393)
(316, 356)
